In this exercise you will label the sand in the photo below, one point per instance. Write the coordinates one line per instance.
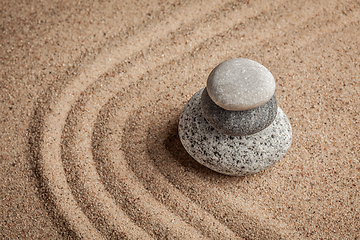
(91, 94)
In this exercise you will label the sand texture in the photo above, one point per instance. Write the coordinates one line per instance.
(90, 97)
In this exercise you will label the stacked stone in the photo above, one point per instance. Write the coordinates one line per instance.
(234, 125)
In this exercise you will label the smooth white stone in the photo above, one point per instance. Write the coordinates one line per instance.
(240, 84)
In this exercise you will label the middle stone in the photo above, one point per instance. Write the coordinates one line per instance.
(238, 123)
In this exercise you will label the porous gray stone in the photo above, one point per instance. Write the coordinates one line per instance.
(230, 155)
(238, 123)
(240, 84)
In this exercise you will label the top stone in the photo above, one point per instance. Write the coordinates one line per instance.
(240, 84)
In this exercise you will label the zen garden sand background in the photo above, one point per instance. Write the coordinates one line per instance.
(90, 97)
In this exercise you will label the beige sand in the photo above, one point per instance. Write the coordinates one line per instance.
(91, 94)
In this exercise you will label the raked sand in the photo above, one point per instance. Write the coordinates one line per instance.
(90, 98)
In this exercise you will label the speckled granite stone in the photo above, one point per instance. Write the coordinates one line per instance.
(240, 84)
(238, 123)
(232, 155)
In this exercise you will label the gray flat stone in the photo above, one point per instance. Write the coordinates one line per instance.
(230, 155)
(240, 84)
(238, 123)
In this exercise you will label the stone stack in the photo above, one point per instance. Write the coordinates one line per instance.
(234, 125)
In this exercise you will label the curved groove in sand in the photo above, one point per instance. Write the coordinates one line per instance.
(54, 122)
(49, 160)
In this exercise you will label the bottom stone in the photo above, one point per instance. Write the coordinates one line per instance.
(231, 155)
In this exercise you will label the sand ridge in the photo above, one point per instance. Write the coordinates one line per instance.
(102, 137)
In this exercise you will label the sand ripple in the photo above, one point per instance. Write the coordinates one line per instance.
(105, 139)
